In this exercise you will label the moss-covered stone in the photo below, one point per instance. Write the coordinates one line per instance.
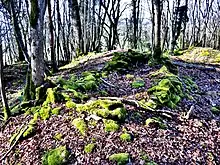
(89, 148)
(125, 137)
(123, 61)
(110, 125)
(120, 158)
(168, 90)
(80, 125)
(57, 156)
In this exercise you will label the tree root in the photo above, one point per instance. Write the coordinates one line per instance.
(136, 104)
(15, 142)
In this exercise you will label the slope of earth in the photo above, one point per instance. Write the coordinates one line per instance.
(192, 136)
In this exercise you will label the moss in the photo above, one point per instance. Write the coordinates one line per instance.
(45, 112)
(155, 122)
(80, 125)
(125, 137)
(215, 110)
(34, 120)
(103, 93)
(58, 136)
(129, 76)
(138, 83)
(123, 61)
(104, 108)
(169, 90)
(29, 131)
(120, 158)
(110, 125)
(57, 156)
(89, 148)
(56, 111)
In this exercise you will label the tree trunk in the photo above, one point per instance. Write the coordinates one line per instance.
(157, 51)
(38, 8)
(6, 109)
(52, 52)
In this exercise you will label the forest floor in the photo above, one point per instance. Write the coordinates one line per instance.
(192, 135)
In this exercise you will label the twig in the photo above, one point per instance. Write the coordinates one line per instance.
(17, 139)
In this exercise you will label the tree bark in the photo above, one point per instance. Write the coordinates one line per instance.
(157, 51)
(6, 109)
(38, 8)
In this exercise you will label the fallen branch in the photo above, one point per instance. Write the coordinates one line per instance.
(138, 105)
(17, 139)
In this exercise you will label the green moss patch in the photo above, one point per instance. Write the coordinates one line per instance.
(125, 137)
(80, 125)
(58, 136)
(57, 156)
(110, 125)
(215, 110)
(201, 55)
(104, 108)
(120, 158)
(155, 122)
(168, 90)
(138, 83)
(89, 148)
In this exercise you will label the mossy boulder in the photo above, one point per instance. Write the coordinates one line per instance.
(57, 156)
(120, 158)
(123, 61)
(89, 148)
(168, 89)
(81, 125)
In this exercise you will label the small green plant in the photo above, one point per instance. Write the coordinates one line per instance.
(138, 83)
(80, 125)
(120, 158)
(125, 137)
(89, 148)
(57, 156)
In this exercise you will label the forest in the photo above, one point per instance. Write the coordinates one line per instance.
(109, 82)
